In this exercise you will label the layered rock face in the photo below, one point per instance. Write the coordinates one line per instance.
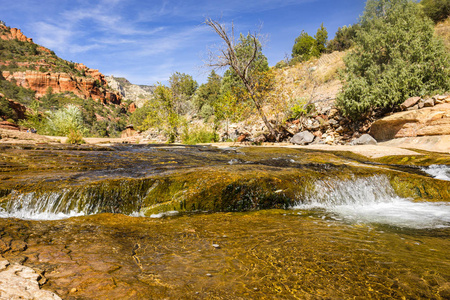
(15, 34)
(421, 122)
(91, 85)
(138, 94)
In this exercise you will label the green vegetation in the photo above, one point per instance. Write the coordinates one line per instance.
(11, 91)
(75, 137)
(396, 56)
(344, 38)
(437, 10)
(307, 46)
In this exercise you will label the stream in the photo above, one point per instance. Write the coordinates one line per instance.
(198, 222)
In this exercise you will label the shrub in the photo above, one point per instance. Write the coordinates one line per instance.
(198, 135)
(75, 137)
(66, 120)
(437, 10)
(396, 56)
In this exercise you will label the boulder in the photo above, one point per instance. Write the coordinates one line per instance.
(410, 102)
(429, 103)
(302, 138)
(365, 139)
(426, 121)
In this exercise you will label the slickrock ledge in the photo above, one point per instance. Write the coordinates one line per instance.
(423, 122)
(20, 282)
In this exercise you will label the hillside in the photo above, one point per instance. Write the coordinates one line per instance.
(32, 66)
(35, 84)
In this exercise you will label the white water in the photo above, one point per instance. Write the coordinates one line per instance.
(439, 171)
(373, 200)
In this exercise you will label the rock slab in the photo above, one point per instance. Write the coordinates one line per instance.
(20, 282)
(428, 121)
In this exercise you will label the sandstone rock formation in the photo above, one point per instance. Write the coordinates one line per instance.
(77, 78)
(422, 122)
(14, 34)
(83, 87)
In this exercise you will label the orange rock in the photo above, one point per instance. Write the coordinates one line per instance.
(13, 34)
(83, 87)
(427, 121)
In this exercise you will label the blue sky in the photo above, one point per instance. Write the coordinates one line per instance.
(146, 41)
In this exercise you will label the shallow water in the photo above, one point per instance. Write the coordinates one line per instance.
(352, 228)
(260, 255)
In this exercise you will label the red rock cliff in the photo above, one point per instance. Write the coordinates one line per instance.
(14, 33)
(91, 85)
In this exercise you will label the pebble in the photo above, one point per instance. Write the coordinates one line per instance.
(73, 290)
(209, 275)
(216, 246)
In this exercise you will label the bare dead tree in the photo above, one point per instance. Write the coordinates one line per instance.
(228, 57)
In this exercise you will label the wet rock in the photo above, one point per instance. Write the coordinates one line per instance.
(410, 102)
(18, 245)
(4, 246)
(302, 138)
(365, 139)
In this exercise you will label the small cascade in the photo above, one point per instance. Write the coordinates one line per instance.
(106, 197)
(441, 172)
(373, 200)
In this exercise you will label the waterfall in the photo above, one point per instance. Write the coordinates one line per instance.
(373, 200)
(116, 196)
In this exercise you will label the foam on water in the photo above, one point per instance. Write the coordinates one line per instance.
(438, 171)
(373, 200)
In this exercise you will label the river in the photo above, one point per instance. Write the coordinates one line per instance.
(176, 222)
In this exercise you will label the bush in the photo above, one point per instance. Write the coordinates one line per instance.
(396, 56)
(66, 120)
(437, 10)
(75, 137)
(343, 39)
(198, 135)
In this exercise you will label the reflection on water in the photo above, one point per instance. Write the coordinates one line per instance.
(372, 200)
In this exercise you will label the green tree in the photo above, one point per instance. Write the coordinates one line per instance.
(305, 46)
(65, 120)
(207, 94)
(396, 56)
(183, 87)
(343, 39)
(437, 10)
(321, 38)
(163, 113)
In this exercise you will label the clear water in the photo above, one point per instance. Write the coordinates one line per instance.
(372, 200)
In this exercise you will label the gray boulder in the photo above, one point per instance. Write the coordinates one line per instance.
(365, 139)
(302, 138)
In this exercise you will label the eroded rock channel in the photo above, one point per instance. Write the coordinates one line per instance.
(159, 221)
